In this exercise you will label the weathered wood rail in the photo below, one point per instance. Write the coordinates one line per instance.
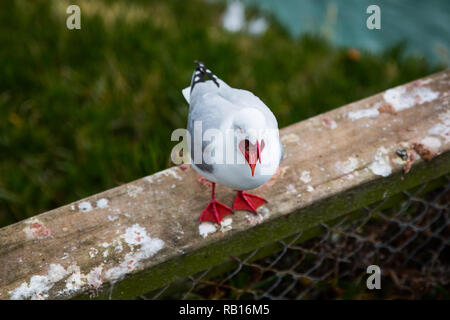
(142, 235)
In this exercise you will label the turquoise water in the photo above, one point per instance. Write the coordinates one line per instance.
(423, 24)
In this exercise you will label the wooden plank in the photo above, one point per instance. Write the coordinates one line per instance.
(144, 234)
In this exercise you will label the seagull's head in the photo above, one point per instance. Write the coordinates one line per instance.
(249, 125)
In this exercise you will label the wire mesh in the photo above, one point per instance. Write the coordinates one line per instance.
(407, 236)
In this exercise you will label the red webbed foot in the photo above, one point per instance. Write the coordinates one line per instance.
(215, 212)
(247, 201)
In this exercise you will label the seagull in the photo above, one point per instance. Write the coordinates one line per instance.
(253, 153)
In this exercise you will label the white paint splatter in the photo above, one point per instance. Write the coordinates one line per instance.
(445, 118)
(102, 203)
(205, 228)
(349, 176)
(75, 281)
(39, 296)
(105, 244)
(112, 218)
(39, 284)
(439, 130)
(173, 172)
(95, 278)
(380, 164)
(225, 224)
(289, 138)
(401, 98)
(35, 229)
(85, 206)
(56, 272)
(117, 245)
(431, 143)
(135, 236)
(329, 123)
(364, 113)
(134, 190)
(305, 177)
(265, 212)
(349, 165)
(254, 218)
(93, 252)
(291, 188)
(65, 256)
(442, 129)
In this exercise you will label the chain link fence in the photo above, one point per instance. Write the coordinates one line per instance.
(406, 235)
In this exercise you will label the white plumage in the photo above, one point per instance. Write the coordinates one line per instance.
(221, 107)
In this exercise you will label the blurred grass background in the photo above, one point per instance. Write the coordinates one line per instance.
(86, 110)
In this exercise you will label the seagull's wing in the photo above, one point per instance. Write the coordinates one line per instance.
(208, 99)
(210, 110)
(246, 99)
(207, 106)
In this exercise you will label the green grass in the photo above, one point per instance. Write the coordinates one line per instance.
(86, 110)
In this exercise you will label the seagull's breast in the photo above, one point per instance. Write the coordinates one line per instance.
(237, 173)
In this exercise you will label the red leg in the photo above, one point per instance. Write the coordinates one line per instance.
(215, 211)
(247, 201)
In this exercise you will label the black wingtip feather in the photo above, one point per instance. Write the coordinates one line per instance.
(200, 74)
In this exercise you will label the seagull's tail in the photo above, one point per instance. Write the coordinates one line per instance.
(200, 75)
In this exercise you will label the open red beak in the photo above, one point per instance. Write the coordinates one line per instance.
(251, 152)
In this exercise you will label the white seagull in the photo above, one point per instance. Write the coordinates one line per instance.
(254, 153)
